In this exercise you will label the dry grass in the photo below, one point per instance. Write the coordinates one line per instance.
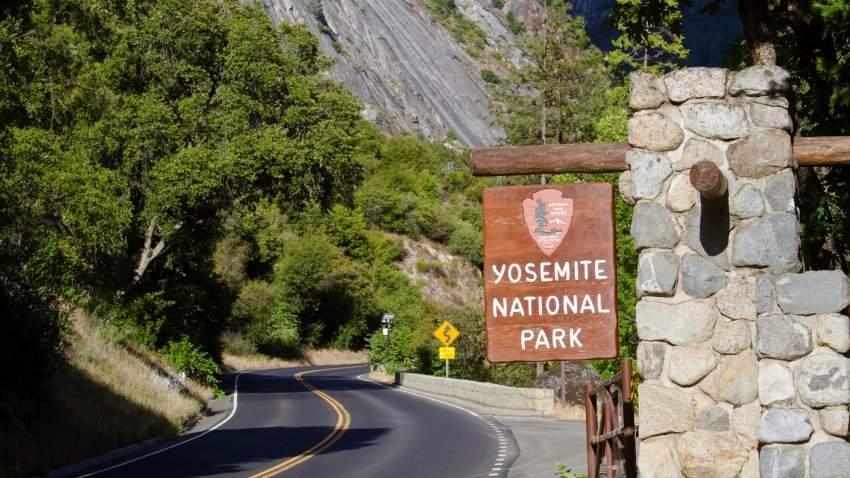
(309, 357)
(129, 371)
(102, 397)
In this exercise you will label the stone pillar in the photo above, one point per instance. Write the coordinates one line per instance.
(741, 353)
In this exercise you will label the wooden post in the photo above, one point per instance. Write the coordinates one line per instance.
(707, 178)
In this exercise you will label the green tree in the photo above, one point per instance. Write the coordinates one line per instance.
(650, 37)
(555, 97)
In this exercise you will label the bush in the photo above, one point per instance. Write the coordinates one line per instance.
(256, 301)
(193, 361)
(490, 77)
(277, 335)
(500, 4)
(467, 242)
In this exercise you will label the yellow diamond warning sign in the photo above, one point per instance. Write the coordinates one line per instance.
(446, 333)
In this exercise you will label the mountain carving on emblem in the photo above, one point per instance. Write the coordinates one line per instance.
(547, 216)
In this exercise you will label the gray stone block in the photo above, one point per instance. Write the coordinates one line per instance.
(714, 418)
(781, 337)
(646, 91)
(653, 226)
(771, 116)
(761, 153)
(771, 241)
(824, 380)
(760, 80)
(732, 337)
(625, 187)
(688, 365)
(658, 458)
(813, 292)
(776, 383)
(658, 272)
(704, 454)
(655, 132)
(830, 460)
(835, 421)
(715, 120)
(681, 195)
(697, 150)
(650, 359)
(649, 171)
(664, 410)
(747, 202)
(707, 233)
(700, 277)
(782, 461)
(683, 85)
(738, 299)
(682, 323)
(778, 425)
(764, 294)
(834, 331)
(735, 380)
(779, 191)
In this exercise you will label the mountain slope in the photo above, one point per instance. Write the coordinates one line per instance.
(411, 74)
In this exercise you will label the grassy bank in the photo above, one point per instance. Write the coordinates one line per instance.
(103, 397)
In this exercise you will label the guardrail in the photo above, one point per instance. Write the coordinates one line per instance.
(539, 401)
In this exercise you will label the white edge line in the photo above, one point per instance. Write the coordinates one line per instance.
(232, 413)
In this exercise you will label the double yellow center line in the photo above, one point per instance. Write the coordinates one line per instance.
(342, 423)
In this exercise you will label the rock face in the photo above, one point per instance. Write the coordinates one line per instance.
(410, 73)
(577, 374)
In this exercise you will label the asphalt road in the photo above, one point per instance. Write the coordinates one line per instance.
(325, 421)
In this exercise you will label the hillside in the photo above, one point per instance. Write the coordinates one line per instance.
(412, 75)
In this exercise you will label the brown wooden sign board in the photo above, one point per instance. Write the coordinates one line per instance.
(549, 273)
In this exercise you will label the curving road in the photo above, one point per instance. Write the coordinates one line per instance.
(325, 421)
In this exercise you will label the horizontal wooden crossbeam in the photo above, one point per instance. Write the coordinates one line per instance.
(611, 157)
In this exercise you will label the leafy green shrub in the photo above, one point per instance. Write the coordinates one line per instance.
(196, 363)
(490, 77)
(256, 301)
(391, 352)
(230, 257)
(350, 335)
(277, 335)
(468, 242)
(500, 4)
(238, 343)
(515, 26)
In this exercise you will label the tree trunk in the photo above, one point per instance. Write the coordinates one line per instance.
(148, 255)
(756, 29)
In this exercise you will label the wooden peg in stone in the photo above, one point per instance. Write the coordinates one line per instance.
(708, 180)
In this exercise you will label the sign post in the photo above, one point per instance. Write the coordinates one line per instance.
(446, 334)
(549, 273)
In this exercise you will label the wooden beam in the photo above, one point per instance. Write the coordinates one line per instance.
(611, 157)
(549, 159)
(822, 151)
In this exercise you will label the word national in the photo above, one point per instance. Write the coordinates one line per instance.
(551, 305)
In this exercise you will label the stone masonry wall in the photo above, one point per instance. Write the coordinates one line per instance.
(742, 354)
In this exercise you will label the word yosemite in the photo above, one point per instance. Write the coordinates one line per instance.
(551, 271)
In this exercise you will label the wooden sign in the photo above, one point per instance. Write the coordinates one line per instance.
(549, 273)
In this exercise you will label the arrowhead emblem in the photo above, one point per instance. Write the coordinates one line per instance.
(547, 216)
